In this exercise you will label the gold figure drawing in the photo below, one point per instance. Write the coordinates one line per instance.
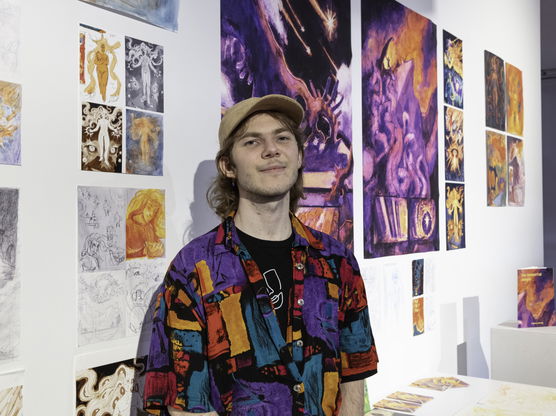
(101, 60)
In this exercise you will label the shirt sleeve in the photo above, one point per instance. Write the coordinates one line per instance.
(357, 347)
(177, 369)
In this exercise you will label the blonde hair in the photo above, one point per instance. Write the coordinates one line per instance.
(138, 203)
(223, 194)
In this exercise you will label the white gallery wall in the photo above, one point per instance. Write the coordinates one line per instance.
(479, 280)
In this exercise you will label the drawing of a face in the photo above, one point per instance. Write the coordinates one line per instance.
(150, 210)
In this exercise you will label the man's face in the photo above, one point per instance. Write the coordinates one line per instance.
(266, 160)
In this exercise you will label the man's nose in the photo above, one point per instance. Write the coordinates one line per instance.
(270, 148)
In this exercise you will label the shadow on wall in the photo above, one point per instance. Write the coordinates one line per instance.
(203, 218)
(471, 357)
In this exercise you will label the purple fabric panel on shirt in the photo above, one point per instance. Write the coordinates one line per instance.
(253, 398)
(320, 314)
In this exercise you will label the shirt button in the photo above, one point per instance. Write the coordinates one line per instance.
(299, 343)
(300, 302)
(299, 266)
(298, 388)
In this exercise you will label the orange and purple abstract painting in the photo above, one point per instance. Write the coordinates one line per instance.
(302, 50)
(400, 130)
(496, 169)
(418, 316)
(516, 172)
(514, 100)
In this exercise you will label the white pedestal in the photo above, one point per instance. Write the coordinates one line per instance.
(523, 355)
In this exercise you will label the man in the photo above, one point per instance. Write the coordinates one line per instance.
(262, 315)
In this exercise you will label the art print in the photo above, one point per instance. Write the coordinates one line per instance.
(11, 401)
(145, 223)
(101, 138)
(410, 397)
(418, 316)
(496, 169)
(495, 92)
(302, 50)
(101, 66)
(144, 69)
(455, 216)
(10, 123)
(102, 310)
(516, 172)
(453, 144)
(162, 13)
(397, 405)
(101, 228)
(10, 35)
(142, 278)
(514, 100)
(111, 390)
(400, 134)
(9, 281)
(453, 70)
(417, 274)
(144, 143)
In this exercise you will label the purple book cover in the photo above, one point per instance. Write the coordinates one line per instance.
(535, 297)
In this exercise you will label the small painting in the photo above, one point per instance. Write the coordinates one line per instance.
(145, 223)
(101, 138)
(418, 316)
(418, 272)
(144, 69)
(10, 123)
(144, 143)
(453, 144)
(111, 390)
(516, 172)
(455, 216)
(101, 66)
(453, 70)
(161, 13)
(496, 169)
(495, 92)
(514, 100)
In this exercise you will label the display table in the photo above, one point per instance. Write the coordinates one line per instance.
(523, 355)
(484, 397)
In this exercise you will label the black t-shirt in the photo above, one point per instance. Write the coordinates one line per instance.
(275, 263)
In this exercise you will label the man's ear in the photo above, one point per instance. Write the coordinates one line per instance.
(226, 167)
(299, 160)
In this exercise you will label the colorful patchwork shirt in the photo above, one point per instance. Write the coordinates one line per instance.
(216, 343)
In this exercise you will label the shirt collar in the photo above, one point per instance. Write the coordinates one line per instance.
(227, 236)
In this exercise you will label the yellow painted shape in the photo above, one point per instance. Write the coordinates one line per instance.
(231, 312)
(177, 323)
(330, 392)
(296, 335)
(333, 290)
(204, 276)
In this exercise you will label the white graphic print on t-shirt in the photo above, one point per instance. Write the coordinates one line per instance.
(274, 286)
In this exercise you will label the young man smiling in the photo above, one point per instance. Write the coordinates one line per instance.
(262, 315)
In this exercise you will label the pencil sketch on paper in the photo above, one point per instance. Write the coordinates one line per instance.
(9, 282)
(11, 401)
(142, 279)
(101, 307)
(101, 228)
(111, 390)
(10, 123)
(144, 75)
(10, 23)
(101, 62)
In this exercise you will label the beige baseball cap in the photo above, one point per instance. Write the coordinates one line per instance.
(240, 111)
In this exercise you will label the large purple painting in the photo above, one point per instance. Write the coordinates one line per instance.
(303, 50)
(400, 130)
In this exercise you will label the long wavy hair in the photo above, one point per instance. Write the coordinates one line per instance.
(223, 194)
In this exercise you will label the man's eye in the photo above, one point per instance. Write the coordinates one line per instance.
(249, 142)
(284, 138)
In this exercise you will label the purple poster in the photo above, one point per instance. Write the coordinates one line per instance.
(303, 50)
(400, 130)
